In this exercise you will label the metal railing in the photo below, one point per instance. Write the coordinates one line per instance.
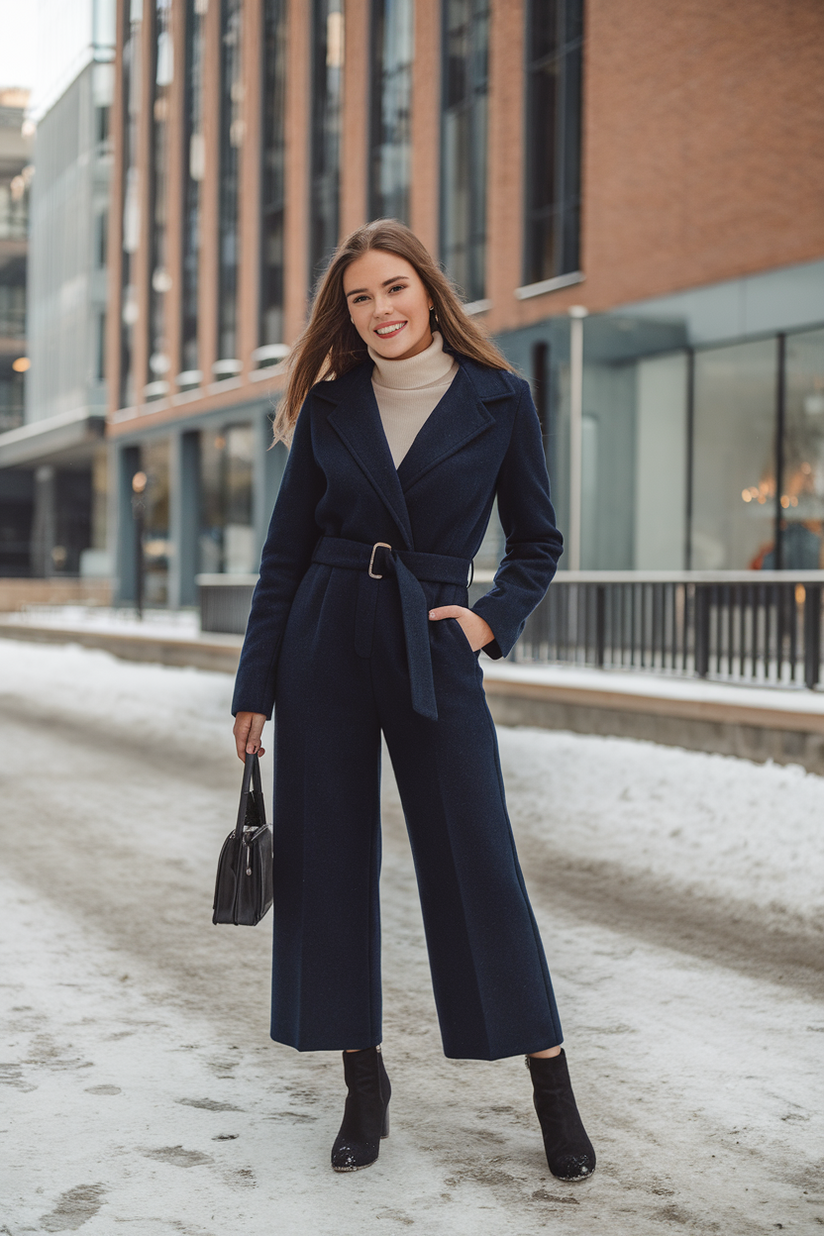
(737, 626)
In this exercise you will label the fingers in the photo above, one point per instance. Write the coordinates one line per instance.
(448, 611)
(247, 731)
(475, 628)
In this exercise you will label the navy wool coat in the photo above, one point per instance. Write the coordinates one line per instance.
(482, 440)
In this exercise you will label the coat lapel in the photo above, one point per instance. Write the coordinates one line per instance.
(357, 422)
(458, 418)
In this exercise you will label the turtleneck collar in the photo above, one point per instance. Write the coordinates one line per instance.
(430, 366)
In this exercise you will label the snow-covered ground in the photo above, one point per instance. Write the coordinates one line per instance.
(711, 823)
(679, 896)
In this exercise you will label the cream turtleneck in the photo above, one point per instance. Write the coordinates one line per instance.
(408, 391)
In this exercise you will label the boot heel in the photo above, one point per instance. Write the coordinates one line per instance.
(385, 1129)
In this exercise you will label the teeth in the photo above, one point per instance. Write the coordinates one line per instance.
(389, 330)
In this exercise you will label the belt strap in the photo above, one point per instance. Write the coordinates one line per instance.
(409, 567)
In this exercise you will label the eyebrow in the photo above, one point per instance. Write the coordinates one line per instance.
(385, 284)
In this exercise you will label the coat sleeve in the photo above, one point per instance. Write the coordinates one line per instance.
(533, 542)
(292, 536)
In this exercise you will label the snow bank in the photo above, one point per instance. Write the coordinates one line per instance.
(152, 701)
(717, 825)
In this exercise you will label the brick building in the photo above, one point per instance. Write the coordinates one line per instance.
(629, 197)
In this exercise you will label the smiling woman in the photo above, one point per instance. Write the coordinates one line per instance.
(333, 342)
(360, 625)
(390, 311)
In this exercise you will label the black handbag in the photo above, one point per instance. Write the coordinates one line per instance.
(243, 889)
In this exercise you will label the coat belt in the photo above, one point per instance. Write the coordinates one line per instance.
(409, 568)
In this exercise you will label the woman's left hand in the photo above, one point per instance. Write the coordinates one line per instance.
(473, 626)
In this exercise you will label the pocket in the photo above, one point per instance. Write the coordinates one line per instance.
(460, 635)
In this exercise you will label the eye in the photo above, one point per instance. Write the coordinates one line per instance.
(398, 287)
(357, 299)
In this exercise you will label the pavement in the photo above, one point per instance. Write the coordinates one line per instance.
(142, 1094)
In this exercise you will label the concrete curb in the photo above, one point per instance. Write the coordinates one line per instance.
(751, 733)
(213, 652)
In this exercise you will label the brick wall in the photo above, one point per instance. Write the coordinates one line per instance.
(703, 149)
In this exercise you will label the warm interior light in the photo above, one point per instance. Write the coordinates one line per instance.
(21, 364)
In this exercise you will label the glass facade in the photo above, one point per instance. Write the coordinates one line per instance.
(391, 108)
(131, 87)
(231, 139)
(554, 37)
(464, 143)
(227, 544)
(273, 157)
(327, 95)
(193, 171)
(801, 514)
(161, 281)
(702, 458)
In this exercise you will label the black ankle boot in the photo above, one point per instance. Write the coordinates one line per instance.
(366, 1114)
(569, 1151)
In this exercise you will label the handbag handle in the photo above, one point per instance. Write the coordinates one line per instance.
(251, 781)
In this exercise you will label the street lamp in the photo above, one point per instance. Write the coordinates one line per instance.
(139, 483)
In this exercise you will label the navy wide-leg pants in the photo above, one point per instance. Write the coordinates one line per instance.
(342, 679)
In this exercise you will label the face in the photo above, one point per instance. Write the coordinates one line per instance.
(388, 304)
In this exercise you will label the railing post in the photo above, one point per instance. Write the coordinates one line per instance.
(812, 635)
(702, 629)
(600, 624)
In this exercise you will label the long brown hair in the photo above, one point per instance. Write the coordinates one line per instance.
(330, 345)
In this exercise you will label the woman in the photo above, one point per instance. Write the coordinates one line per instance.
(405, 423)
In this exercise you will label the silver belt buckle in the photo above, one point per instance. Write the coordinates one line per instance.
(377, 545)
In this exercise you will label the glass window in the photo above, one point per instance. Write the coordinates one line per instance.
(192, 178)
(274, 160)
(14, 207)
(554, 31)
(327, 88)
(13, 298)
(391, 78)
(231, 137)
(733, 493)
(463, 143)
(11, 395)
(131, 86)
(163, 75)
(802, 479)
(154, 459)
(227, 543)
(661, 385)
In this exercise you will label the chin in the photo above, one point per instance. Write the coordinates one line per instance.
(397, 346)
